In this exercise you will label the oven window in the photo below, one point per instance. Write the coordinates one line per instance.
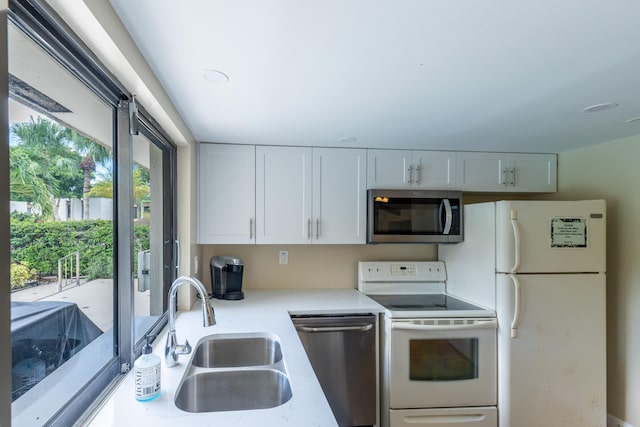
(443, 359)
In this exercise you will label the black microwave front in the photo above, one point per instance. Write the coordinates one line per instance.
(414, 216)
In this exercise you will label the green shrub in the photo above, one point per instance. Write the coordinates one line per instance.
(21, 274)
(100, 268)
(41, 244)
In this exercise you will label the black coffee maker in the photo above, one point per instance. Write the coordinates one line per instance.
(226, 277)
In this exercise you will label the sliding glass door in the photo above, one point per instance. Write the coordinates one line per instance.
(93, 249)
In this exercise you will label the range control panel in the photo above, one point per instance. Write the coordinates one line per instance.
(401, 271)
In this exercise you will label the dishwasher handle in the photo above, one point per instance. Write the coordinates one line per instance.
(357, 328)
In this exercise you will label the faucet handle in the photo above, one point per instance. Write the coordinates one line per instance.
(183, 348)
(208, 315)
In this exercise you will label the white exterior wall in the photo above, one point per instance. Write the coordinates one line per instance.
(99, 208)
(20, 207)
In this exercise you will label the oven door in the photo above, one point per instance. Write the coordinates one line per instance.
(435, 363)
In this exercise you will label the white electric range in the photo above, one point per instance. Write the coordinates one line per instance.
(438, 353)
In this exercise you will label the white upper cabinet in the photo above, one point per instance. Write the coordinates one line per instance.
(226, 193)
(339, 195)
(506, 172)
(434, 169)
(401, 169)
(283, 194)
(303, 195)
(309, 195)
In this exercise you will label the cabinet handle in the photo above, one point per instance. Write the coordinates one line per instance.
(250, 228)
(505, 176)
(418, 174)
(410, 169)
(512, 174)
(309, 229)
(317, 229)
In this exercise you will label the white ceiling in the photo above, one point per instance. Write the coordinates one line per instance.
(423, 74)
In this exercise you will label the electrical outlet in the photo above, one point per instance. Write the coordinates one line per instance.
(284, 257)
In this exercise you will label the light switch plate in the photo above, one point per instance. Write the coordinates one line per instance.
(284, 257)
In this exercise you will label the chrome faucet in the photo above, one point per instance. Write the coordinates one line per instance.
(172, 349)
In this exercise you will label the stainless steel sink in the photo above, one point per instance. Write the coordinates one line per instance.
(234, 372)
(234, 350)
(233, 390)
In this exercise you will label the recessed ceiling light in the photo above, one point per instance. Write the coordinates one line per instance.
(215, 76)
(634, 120)
(347, 140)
(600, 107)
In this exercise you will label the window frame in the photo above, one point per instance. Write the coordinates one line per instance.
(42, 24)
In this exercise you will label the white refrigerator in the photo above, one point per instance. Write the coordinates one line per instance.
(541, 265)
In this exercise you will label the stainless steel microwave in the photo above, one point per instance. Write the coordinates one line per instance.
(414, 216)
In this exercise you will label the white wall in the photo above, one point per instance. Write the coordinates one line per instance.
(99, 208)
(611, 171)
(20, 207)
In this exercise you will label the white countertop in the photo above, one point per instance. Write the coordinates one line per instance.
(260, 311)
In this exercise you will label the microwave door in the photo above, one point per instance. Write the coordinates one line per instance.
(401, 216)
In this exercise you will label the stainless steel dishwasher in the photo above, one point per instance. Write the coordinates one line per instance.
(342, 351)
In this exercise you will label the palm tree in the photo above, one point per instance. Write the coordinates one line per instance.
(28, 181)
(50, 145)
(39, 161)
(93, 153)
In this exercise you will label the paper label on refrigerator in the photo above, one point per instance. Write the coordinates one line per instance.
(568, 233)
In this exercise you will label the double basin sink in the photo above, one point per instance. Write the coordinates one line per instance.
(234, 372)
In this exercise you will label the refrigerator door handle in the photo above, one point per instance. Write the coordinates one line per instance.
(515, 322)
(516, 240)
(448, 216)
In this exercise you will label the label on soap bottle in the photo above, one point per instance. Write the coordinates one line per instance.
(147, 382)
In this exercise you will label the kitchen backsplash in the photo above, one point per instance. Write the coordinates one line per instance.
(309, 266)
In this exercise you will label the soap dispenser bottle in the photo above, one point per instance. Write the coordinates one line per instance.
(146, 371)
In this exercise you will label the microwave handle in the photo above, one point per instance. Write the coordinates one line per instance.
(490, 324)
(448, 215)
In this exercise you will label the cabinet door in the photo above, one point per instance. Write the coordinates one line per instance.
(283, 194)
(388, 169)
(507, 172)
(533, 173)
(339, 195)
(226, 193)
(434, 169)
(481, 171)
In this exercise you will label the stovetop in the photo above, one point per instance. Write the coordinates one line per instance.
(413, 289)
(428, 305)
(428, 302)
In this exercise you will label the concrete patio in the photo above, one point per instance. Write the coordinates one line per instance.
(94, 298)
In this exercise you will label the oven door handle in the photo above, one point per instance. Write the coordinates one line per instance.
(402, 326)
